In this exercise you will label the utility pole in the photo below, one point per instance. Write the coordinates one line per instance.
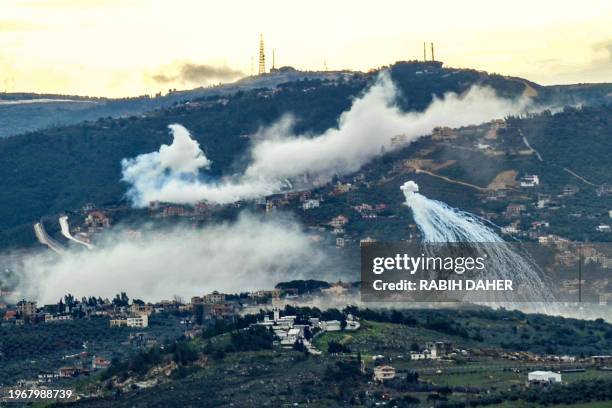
(424, 51)
(433, 58)
(579, 273)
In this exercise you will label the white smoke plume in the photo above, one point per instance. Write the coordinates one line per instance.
(363, 133)
(250, 253)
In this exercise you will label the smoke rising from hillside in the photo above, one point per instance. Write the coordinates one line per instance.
(250, 253)
(363, 133)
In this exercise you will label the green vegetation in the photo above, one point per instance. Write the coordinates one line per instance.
(38, 167)
(508, 330)
(231, 363)
(44, 345)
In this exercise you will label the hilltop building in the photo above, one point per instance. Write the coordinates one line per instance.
(443, 133)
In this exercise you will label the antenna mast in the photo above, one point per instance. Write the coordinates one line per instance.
(262, 56)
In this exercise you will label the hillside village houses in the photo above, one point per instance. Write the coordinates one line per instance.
(96, 220)
(310, 204)
(289, 332)
(338, 221)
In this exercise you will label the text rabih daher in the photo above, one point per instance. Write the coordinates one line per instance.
(470, 285)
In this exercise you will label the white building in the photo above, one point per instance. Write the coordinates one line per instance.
(57, 318)
(330, 325)
(530, 180)
(289, 337)
(544, 377)
(383, 373)
(141, 321)
(310, 204)
(417, 355)
(339, 221)
(510, 230)
(352, 325)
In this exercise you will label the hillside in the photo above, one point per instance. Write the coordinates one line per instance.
(502, 346)
(573, 146)
(40, 175)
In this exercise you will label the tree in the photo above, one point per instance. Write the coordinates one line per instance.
(334, 347)
(412, 377)
(307, 333)
(70, 302)
(121, 300)
(299, 345)
(198, 314)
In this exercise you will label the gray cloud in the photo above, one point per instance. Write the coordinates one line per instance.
(607, 46)
(190, 73)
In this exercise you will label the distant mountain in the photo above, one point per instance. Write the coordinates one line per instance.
(25, 112)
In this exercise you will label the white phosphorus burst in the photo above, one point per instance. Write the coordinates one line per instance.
(440, 223)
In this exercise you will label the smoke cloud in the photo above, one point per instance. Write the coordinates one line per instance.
(250, 253)
(190, 73)
(363, 133)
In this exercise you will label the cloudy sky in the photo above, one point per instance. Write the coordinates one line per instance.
(132, 47)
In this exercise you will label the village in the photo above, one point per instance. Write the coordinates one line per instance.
(291, 332)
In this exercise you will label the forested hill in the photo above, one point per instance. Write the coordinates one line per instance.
(61, 168)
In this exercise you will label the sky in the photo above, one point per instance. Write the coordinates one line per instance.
(134, 47)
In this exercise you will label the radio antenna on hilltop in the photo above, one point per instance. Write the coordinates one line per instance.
(262, 56)
(273, 59)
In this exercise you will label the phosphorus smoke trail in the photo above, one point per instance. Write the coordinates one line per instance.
(362, 133)
(440, 223)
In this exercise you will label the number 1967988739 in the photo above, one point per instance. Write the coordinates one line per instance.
(35, 394)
